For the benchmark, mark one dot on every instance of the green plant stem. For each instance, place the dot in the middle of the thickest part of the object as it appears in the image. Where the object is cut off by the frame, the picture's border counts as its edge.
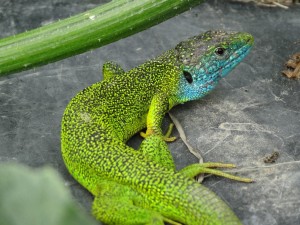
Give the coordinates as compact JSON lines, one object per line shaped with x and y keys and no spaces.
{"x":91,"y":29}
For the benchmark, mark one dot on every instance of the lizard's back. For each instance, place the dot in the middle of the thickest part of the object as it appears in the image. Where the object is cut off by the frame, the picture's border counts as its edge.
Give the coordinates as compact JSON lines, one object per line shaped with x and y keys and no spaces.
{"x":101,"y":118}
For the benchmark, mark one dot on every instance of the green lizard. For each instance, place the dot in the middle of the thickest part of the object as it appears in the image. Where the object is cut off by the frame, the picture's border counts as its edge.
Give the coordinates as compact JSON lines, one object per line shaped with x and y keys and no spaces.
{"x":141,"y":186}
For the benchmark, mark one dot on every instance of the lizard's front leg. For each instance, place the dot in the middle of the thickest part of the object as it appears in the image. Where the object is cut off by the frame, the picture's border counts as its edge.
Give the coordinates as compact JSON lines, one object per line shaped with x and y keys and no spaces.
{"x":111,"y":69}
{"x":158,"y":108}
{"x":154,"y":145}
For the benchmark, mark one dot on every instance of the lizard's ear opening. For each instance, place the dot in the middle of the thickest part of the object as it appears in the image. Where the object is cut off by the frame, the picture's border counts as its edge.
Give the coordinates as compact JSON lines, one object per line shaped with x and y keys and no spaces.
{"x":188,"y":76}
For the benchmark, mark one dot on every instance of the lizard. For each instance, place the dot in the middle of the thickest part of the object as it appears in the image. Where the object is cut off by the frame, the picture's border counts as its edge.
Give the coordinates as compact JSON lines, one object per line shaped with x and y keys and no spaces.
{"x":142,"y":186}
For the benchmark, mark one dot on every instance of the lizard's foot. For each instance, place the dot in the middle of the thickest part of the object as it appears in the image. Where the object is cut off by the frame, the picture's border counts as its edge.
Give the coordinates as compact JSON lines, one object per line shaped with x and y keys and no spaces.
{"x":165,"y":137}
{"x":196,"y":169}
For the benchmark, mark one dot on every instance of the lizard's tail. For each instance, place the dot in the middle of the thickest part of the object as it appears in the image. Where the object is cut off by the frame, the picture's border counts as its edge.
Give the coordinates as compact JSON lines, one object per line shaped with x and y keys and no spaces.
{"x":191,"y":203}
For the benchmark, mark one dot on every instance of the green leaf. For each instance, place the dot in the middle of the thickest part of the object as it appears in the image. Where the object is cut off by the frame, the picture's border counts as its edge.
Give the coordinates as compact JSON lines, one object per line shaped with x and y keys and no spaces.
{"x":36,"y":197}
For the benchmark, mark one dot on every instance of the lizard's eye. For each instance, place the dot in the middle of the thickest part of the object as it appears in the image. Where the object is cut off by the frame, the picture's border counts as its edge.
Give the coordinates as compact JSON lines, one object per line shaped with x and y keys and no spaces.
{"x":220,"y":51}
{"x":188,"y":76}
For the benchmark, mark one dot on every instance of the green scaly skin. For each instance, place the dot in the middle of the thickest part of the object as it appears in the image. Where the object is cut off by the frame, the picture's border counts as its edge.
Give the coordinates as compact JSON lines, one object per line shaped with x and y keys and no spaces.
{"x":141,"y":186}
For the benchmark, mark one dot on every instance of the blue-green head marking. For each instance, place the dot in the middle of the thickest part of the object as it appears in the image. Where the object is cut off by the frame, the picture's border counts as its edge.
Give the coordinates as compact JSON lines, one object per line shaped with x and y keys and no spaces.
{"x":203,"y":60}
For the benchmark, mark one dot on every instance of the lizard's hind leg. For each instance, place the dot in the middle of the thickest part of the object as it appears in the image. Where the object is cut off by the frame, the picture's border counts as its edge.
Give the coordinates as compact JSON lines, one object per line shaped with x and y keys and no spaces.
{"x":114,"y":204}
{"x":156,"y":149}
{"x":196,"y":169}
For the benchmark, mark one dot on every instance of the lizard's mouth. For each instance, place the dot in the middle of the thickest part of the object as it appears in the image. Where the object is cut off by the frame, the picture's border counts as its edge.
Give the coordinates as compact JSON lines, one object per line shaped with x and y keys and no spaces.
{"x":231,"y":63}
{"x":234,"y":60}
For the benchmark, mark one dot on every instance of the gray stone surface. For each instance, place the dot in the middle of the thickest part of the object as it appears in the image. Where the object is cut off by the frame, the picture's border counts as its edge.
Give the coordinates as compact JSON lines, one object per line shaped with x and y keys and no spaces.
{"x":254,"y":111}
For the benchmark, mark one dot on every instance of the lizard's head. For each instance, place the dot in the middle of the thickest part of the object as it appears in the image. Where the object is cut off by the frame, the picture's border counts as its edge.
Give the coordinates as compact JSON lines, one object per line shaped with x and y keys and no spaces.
{"x":206,"y":58}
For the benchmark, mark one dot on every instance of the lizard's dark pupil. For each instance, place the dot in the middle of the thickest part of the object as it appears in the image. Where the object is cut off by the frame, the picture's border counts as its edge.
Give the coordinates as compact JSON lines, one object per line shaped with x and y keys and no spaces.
{"x":188,"y":76}
{"x":220,"y":51}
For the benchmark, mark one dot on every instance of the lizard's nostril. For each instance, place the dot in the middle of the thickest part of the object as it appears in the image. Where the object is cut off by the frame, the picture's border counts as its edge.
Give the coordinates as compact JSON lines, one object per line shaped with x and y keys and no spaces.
{"x":249,"y":39}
